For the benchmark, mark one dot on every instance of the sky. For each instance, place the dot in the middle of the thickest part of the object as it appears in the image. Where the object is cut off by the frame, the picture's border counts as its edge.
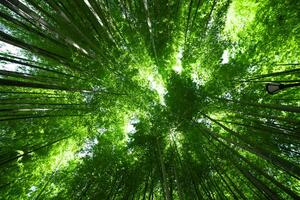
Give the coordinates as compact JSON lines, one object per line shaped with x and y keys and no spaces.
{"x":7,"y":48}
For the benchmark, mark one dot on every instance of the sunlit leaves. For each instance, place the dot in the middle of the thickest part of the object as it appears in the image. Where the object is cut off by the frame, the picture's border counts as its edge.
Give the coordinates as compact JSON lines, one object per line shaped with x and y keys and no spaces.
{"x":148,"y":99}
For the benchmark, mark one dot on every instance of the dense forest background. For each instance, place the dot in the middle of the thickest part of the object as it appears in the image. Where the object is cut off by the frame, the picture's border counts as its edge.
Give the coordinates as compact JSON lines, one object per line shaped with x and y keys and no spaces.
{"x":149,"y":99}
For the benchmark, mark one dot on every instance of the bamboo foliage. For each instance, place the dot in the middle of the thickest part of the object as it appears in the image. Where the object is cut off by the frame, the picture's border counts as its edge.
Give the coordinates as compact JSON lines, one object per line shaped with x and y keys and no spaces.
{"x":159,"y":99}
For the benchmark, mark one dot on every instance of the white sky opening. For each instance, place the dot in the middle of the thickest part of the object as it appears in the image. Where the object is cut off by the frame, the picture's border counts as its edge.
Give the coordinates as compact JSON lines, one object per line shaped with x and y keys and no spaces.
{"x":130,"y":128}
{"x":225,"y":56}
{"x":87,"y":150}
{"x":178,"y":66}
{"x":197,"y":79}
{"x":7,"y":48}
{"x":10,"y":67}
{"x":32,"y":189}
{"x":130,"y":125}
{"x":12,"y":50}
{"x":157,"y":85}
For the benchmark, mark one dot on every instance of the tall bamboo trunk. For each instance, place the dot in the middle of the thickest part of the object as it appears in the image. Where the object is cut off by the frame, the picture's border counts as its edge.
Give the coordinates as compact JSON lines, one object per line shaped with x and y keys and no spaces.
{"x":164,"y":173}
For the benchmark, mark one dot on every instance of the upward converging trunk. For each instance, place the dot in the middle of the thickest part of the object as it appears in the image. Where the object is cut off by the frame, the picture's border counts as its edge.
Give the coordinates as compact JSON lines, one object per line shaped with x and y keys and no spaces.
{"x":149,"y":99}
{"x":34,"y":150}
{"x":288,"y":166}
{"x":164,"y":173}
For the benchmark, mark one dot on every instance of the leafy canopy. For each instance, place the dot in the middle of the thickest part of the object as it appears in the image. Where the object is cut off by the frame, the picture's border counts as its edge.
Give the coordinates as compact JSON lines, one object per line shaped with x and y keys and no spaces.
{"x":149,"y":99}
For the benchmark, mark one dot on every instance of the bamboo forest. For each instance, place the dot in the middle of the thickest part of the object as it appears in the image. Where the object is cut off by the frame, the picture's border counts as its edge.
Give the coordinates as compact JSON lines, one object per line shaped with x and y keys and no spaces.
{"x":149,"y":99}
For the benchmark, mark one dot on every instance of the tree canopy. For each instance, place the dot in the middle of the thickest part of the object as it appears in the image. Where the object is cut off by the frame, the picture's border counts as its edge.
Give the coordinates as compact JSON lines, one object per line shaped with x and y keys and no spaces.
{"x":160,"y":99}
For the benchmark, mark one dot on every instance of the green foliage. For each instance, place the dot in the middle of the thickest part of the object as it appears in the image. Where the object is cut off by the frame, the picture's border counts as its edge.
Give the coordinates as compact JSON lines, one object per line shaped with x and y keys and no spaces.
{"x":149,"y":99}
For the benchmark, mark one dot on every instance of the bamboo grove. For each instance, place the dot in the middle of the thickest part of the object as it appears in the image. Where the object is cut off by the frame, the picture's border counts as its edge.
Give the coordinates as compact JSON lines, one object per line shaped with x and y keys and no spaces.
{"x":149,"y":99}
